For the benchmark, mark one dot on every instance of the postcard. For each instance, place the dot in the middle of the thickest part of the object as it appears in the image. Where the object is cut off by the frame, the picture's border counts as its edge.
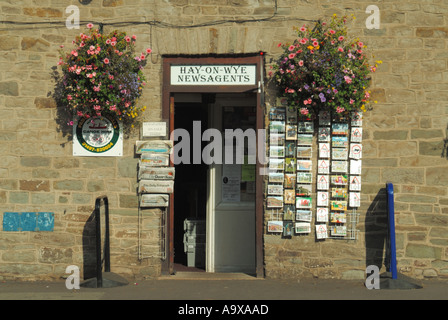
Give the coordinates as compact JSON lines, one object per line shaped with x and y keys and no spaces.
{"x":339,"y":142}
{"x":339,"y":193}
{"x":339,"y":180}
{"x":290,"y":180}
{"x":304,"y":152}
{"x":305,"y":127}
{"x":304,"y":139}
{"x":339,"y":166}
{"x":276,"y":164}
{"x":339,"y":153}
{"x":356,"y":117}
{"x":277,"y":151}
{"x":302,"y":227}
{"x":338,"y":205}
{"x":338,"y":217}
{"x":324,"y":134}
{"x":274,"y":202}
{"x":356,"y":134}
{"x":321,"y":231}
{"x":290,"y":149}
{"x":355,"y":183}
{"x":277,"y":114}
{"x":355,"y":199}
{"x":355,"y":150}
{"x":275,"y":189}
{"x":276,"y":177}
{"x":322,"y":198}
{"x":340,"y":128}
{"x":321,"y":214}
{"x":324,"y":118}
{"x":291,"y":115}
{"x":304,"y":215}
{"x":291,"y":132}
{"x":323,"y":182}
{"x":324,"y":150}
{"x":275,"y":226}
{"x":288,"y":212}
{"x":290,"y":165}
{"x":323,"y":166}
{"x":338,"y":230}
{"x":303,"y":202}
{"x":304,"y":165}
{"x":355,"y":166}
{"x":303,"y":190}
{"x":277,"y":126}
{"x":276,"y":139}
{"x":290,"y":196}
{"x":288,"y":227}
{"x":304,"y":177}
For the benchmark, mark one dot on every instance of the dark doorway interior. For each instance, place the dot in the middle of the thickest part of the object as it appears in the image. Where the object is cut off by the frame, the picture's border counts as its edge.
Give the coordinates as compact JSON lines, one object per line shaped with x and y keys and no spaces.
{"x":190,"y":185}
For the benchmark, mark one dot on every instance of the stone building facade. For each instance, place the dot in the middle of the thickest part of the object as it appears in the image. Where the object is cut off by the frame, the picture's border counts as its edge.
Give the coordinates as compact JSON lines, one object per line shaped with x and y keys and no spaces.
{"x":405,"y":135}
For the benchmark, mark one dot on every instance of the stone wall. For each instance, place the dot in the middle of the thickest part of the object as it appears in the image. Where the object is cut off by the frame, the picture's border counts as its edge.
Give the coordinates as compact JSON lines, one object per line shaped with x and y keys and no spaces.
{"x":405,"y":139}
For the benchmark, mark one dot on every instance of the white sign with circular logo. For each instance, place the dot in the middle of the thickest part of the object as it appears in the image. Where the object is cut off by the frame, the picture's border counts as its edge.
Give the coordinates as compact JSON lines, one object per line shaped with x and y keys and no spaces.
{"x":97,"y":136}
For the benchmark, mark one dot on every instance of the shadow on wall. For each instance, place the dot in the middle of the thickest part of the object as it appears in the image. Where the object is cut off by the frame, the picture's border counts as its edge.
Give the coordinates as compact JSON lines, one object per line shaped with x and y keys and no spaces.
{"x":63,"y":116}
{"x":376,"y":230}
{"x":445,"y":145}
{"x":89,"y":248}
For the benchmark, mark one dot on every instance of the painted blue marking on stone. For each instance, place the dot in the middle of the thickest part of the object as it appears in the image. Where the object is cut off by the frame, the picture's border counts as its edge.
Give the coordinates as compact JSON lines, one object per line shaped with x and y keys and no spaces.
{"x":45,"y":221}
{"x":11,"y":221}
{"x":28,"y":221}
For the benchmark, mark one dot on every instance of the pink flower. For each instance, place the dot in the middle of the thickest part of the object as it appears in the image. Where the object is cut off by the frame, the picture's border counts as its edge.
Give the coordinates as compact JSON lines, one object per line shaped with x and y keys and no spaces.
{"x":134,"y":37}
{"x":339,"y":109}
{"x":111,"y":77}
{"x":128,"y":39}
{"x":148,"y":51}
{"x":348,"y":79}
{"x":302,"y":41}
{"x":291,"y":55}
{"x":90,"y":25}
{"x":315,"y":43}
{"x":340,"y":49}
{"x":360,"y":44}
{"x":106,"y":61}
{"x":341,"y":38}
{"x":304,"y":111}
{"x":97,"y":107}
{"x":92,"y":48}
{"x":303,"y":29}
{"x":142,"y":57}
{"x":332,"y":31}
{"x":291,"y":90}
{"x":69,"y":97}
{"x":113,"y":43}
{"x":351,"y":101}
{"x":113,"y":108}
{"x":279,"y":45}
{"x":108,"y":41}
{"x":291,"y":48}
{"x":301,"y":63}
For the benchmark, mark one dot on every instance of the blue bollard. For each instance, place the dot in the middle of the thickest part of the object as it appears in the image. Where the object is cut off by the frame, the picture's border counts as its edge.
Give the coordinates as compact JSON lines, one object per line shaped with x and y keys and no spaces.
{"x":391,"y":216}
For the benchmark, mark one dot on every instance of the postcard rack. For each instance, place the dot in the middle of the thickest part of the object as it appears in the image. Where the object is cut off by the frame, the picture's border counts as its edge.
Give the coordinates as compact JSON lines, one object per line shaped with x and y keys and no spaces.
{"x":306,"y":186}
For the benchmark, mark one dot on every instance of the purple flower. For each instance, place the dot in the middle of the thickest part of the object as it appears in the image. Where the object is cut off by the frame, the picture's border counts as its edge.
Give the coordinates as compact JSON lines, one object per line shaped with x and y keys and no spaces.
{"x":322,"y":97}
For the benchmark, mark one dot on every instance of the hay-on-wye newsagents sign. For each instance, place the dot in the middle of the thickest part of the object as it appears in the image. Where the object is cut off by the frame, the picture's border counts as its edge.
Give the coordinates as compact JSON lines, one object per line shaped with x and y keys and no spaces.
{"x":97,"y":136}
{"x":213,"y":75}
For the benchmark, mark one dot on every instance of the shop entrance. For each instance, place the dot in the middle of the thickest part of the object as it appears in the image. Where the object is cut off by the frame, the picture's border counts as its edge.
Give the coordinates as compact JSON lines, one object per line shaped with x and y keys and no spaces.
{"x":214,"y":202}
{"x":215,"y":215}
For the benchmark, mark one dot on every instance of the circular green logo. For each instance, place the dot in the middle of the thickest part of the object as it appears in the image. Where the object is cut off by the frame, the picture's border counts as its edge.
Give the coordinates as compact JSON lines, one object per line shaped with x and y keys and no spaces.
{"x":98,"y":134}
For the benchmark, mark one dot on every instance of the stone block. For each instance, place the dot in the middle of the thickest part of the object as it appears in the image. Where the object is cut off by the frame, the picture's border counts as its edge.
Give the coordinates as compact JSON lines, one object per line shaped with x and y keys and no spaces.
{"x":436,"y":220}
{"x":437,"y":176}
{"x":55,"y":255}
{"x":34,"y":185}
{"x":35,"y":161}
{"x":390,"y":135}
{"x":396,"y":148}
{"x":42,"y":103}
{"x":9,"y":88}
{"x":42,"y":198}
{"x":43,"y":12}
{"x":69,"y":185}
{"x":423,"y":251}
{"x":403,"y":175}
{"x":431,"y":148}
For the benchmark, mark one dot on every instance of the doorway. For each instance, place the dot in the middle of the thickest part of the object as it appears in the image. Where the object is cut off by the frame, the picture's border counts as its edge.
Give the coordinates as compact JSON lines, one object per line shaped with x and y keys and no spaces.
{"x":200,"y":83}
{"x":217,"y":197}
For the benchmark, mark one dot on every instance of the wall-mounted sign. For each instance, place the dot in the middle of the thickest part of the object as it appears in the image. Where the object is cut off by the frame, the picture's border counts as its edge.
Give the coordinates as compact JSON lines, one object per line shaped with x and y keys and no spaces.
{"x":213,"y":75}
{"x":154,"y":146}
{"x":97,"y":136}
{"x":154,"y":129}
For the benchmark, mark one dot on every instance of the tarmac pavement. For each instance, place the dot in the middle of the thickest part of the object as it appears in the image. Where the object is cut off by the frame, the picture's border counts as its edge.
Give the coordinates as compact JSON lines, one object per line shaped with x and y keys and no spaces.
{"x":224,"y":288}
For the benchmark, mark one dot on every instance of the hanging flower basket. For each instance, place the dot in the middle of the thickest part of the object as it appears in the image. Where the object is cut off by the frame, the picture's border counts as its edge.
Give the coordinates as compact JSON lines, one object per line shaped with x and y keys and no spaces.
{"x":102,"y":76}
{"x":324,"y":70}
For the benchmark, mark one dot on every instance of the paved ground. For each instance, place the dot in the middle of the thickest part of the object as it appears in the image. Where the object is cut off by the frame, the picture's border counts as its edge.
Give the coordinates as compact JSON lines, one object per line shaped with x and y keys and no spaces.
{"x":179,"y":288}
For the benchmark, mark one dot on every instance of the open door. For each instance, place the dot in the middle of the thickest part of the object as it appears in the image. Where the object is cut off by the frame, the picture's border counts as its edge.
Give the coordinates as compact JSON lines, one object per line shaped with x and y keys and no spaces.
{"x":231,"y":188}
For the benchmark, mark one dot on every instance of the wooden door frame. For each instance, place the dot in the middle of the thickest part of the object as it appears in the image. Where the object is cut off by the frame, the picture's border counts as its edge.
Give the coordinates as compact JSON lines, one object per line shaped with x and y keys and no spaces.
{"x":168,"y":91}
